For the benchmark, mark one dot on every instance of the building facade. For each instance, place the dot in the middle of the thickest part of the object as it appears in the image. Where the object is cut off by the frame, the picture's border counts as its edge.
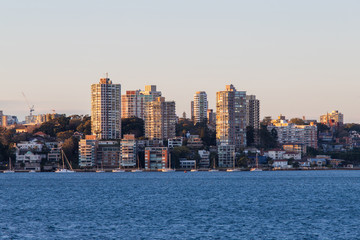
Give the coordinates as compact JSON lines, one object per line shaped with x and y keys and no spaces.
{"x":132,"y":104}
{"x":231,"y":117}
{"x":160,"y":119}
{"x":289,"y":133}
{"x":226,"y":155}
{"x":252,"y":111}
{"x":106,"y":109}
{"x":335,"y":118}
{"x":200,"y":107}
{"x":88,"y":151}
{"x":156,"y":158}
{"x":128,"y":151}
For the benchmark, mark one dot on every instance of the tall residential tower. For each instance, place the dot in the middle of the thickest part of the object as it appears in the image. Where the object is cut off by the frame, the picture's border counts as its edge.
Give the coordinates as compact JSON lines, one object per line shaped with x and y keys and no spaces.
{"x":231,"y":117}
{"x":200,"y":106}
{"x":106,"y":109}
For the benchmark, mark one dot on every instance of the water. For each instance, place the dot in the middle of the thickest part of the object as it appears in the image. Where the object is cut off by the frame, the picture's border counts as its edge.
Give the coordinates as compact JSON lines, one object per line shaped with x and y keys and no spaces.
{"x":200,"y":205}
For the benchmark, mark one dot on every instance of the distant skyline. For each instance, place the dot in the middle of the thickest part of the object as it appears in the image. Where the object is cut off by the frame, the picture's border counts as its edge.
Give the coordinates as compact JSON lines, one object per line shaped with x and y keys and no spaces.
{"x":300,"y":58}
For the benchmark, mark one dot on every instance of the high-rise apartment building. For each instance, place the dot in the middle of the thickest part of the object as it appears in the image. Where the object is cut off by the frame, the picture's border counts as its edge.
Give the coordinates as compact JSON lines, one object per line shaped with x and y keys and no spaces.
{"x":335,"y":118}
{"x":200,"y":106}
{"x":160,"y":119}
{"x":231,"y":117}
{"x":252,"y":111}
{"x":132,"y":104}
{"x":106,"y":109}
{"x":150,"y":94}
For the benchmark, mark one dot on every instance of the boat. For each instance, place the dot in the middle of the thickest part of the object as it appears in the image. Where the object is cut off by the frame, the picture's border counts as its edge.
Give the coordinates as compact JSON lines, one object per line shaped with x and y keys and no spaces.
{"x":214,"y":167}
{"x":233,"y":169}
{"x":194,"y":169}
{"x":117,"y":170}
{"x":138,"y":169}
{"x":63,"y":169}
{"x":10,"y":169}
{"x":101,"y":170}
{"x":256,"y":169}
{"x":169,"y":169}
{"x":32,"y":171}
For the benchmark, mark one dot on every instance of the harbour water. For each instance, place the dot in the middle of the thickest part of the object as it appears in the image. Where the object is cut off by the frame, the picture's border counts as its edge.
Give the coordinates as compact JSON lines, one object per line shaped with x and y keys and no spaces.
{"x":199,"y":205}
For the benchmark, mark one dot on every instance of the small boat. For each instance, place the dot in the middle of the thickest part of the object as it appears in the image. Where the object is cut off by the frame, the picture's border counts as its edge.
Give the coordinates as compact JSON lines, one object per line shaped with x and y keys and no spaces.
{"x":233,"y":170}
{"x":194,"y":169}
{"x":63,"y":169}
{"x":10,"y":169}
{"x":168,"y":169}
{"x":117,"y":170}
{"x":256,"y":169}
{"x":32,"y":171}
{"x":214,"y":167}
{"x":101,"y":170}
{"x":138,"y":169}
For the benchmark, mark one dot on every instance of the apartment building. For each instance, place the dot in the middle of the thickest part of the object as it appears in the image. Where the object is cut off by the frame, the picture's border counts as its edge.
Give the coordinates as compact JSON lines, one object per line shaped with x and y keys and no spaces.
{"x":106,"y":109}
{"x":200,"y":107}
{"x":160,"y":119}
{"x":231,"y":117}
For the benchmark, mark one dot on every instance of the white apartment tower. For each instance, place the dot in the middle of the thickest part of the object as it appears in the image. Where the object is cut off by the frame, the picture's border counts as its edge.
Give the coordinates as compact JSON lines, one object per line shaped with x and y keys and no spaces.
{"x":200,"y":106}
{"x":106,"y":109}
{"x":231,"y":117}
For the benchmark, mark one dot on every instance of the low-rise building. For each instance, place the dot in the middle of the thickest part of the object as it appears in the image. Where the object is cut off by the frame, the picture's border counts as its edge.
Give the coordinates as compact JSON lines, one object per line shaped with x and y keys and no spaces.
{"x":281,"y":164}
{"x":108,"y":154}
{"x":175,"y":142}
{"x":187,"y":164}
{"x":205,"y":159}
{"x":128,"y":151}
{"x":156,"y":158}
{"x":88,"y":151}
{"x":226,"y":154}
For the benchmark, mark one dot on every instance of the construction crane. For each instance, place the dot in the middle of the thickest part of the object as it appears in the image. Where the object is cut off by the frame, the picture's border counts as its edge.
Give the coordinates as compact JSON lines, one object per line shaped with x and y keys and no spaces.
{"x":31,"y":108}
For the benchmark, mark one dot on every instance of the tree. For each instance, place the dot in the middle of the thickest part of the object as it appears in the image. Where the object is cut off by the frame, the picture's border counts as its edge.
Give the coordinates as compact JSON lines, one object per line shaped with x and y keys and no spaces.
{"x":297,"y":121}
{"x":133,"y":125}
{"x":71,"y":150}
{"x":268,"y":139}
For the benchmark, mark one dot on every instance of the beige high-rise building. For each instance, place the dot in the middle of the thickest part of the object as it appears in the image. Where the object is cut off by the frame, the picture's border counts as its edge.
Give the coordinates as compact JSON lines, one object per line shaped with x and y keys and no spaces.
{"x":200,"y":106}
{"x":160,"y":119}
{"x":132,"y":104}
{"x":231,"y":117}
{"x":150,"y":94}
{"x":252,"y":111}
{"x":334,"y":118}
{"x":106,"y":109}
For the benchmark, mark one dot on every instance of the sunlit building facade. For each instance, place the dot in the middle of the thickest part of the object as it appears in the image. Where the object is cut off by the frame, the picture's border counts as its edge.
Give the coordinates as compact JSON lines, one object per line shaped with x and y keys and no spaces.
{"x":200,"y":106}
{"x":231,"y":117}
{"x":106,"y":109}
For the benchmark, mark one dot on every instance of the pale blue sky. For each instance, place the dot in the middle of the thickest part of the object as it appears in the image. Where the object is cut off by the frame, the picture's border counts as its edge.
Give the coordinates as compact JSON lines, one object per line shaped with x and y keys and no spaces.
{"x":298,"y":57}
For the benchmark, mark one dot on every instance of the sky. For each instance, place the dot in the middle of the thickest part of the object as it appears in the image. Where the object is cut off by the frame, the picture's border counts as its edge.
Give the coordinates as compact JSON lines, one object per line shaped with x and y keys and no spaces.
{"x":300,"y":58}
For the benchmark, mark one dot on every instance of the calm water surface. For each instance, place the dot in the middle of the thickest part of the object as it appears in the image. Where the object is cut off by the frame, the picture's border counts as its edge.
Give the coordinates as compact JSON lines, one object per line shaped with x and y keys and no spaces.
{"x":202,"y":205}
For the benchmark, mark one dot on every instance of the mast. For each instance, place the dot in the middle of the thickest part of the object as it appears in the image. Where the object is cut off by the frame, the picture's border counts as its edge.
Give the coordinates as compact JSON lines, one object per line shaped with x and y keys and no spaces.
{"x":257,"y":161}
{"x":169,"y":160}
{"x":9,"y":163}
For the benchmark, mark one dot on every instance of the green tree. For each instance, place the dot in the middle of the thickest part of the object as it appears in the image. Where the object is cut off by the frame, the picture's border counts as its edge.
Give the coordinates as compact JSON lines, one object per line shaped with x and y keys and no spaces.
{"x":250,"y":136}
{"x":297,"y":121}
{"x":133,"y":125}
